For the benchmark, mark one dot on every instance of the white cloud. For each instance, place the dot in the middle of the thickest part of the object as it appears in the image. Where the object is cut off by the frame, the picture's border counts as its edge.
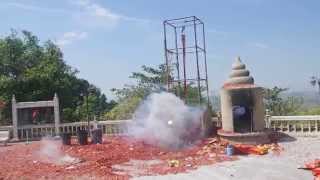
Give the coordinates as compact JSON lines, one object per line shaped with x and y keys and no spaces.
{"x":30,"y":7}
{"x":95,"y":14}
{"x":70,"y":37}
{"x":259,"y":45}
{"x":84,"y":12}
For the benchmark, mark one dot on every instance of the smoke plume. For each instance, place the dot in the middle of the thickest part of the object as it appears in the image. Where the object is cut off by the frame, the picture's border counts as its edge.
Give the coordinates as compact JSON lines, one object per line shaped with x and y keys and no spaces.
{"x":50,"y":152}
{"x":165,"y":120}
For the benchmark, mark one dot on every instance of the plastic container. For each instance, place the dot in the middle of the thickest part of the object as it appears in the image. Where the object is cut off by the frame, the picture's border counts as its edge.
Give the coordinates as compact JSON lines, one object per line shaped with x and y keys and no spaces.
{"x":229,"y":150}
{"x":66,"y":138}
{"x":82,"y":137}
{"x":96,"y":136}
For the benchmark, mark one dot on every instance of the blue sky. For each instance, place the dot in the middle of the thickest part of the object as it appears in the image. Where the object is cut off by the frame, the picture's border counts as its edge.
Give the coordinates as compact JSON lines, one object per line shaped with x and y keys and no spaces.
{"x":106,"y":40}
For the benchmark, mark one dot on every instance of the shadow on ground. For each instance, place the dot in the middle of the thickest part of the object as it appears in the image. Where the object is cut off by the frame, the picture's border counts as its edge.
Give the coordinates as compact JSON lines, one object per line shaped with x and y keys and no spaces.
{"x":281,"y":137}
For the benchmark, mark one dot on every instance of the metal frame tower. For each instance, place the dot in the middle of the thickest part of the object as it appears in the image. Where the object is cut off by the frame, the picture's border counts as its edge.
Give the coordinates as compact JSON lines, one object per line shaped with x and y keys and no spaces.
{"x":186,"y":61}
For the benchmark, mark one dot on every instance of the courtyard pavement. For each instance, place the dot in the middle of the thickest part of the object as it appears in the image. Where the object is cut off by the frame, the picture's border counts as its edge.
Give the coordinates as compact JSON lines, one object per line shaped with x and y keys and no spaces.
{"x":268,"y":167}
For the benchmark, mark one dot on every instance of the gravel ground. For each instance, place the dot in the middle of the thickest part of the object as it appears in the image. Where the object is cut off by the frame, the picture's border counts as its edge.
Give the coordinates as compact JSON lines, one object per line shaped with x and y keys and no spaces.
{"x":268,"y":167}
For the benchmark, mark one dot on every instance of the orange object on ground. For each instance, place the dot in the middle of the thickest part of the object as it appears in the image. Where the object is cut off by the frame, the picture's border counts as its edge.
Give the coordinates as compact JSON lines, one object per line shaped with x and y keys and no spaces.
{"x":251,"y":149}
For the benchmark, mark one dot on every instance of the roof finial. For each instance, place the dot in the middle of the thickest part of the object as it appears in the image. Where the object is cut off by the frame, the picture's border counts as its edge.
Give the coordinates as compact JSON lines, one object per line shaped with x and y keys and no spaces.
{"x":238,"y":59}
{"x":239,"y":74}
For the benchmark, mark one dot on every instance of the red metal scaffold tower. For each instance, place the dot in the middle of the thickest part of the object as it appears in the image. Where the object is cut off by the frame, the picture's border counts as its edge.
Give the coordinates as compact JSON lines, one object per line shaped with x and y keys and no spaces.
{"x":184,"y":44}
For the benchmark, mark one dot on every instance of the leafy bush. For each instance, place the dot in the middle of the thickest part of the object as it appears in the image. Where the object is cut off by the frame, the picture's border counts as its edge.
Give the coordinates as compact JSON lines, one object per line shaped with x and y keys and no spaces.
{"x":279,"y":105}
{"x":34,"y":71}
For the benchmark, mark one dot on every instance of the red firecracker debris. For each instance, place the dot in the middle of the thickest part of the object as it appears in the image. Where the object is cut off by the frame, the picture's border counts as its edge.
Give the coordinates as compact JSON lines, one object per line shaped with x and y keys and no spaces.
{"x":314,"y":166}
{"x":101,"y":160}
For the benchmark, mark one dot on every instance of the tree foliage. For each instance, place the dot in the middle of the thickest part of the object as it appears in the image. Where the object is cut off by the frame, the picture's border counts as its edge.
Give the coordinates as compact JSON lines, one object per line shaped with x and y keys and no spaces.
{"x":309,"y":111}
{"x":279,"y":105}
{"x":129,"y":97}
{"x":34,"y":71}
{"x":149,"y":80}
{"x":315,"y":82}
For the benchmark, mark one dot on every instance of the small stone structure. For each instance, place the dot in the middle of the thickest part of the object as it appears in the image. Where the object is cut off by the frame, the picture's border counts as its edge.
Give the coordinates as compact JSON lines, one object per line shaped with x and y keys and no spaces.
{"x":21,"y":105}
{"x":242,"y":108}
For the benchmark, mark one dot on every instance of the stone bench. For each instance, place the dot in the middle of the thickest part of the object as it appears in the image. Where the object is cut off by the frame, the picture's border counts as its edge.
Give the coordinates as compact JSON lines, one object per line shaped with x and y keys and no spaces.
{"x":4,"y":136}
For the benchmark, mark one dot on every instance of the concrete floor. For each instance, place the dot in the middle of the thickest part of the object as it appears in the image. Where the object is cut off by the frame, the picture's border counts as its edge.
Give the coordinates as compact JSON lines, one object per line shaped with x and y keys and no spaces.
{"x":268,"y":167}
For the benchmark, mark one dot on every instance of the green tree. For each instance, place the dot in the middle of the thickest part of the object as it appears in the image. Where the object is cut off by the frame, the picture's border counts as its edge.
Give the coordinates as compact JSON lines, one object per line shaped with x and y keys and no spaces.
{"x":315,"y":81}
{"x":310,"y":111}
{"x":147,"y":81}
{"x":35,"y":71}
{"x":279,"y":105}
{"x":129,"y":97}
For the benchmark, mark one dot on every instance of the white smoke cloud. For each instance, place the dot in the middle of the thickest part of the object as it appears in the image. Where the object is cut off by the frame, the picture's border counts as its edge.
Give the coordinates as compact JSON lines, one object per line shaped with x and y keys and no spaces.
{"x":164,"y":119}
{"x":50,"y":152}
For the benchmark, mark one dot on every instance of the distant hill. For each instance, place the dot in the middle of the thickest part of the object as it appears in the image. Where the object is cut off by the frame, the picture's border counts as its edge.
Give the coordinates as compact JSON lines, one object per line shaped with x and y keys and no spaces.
{"x":311,"y":98}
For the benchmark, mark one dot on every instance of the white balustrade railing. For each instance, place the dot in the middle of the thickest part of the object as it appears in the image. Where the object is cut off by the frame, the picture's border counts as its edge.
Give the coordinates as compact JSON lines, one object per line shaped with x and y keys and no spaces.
{"x":305,"y":125}
{"x":35,"y":131}
{"x":119,"y":127}
{"x":295,"y":124}
{"x":5,"y":128}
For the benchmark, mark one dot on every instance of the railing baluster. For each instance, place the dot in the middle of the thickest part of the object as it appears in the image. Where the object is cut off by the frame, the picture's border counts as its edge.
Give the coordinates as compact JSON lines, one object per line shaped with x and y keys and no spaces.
{"x":274,"y":125}
{"x":104,"y":129}
{"x":31,"y":132}
{"x":108,"y":128}
{"x":27,"y":134}
{"x":294,"y":124}
{"x":309,"y":123}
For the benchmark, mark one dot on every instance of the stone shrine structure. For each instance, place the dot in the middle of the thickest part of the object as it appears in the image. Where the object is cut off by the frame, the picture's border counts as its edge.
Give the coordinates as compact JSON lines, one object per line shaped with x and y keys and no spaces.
{"x":242,"y":108}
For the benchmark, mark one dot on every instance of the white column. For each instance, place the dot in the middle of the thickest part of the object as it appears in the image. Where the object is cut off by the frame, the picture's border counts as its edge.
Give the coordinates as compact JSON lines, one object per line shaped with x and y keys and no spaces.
{"x":226,"y":110}
{"x":14,"y":117}
{"x":267,"y":119}
{"x":95,"y":123}
{"x":259,"y":110}
{"x":56,"y":113}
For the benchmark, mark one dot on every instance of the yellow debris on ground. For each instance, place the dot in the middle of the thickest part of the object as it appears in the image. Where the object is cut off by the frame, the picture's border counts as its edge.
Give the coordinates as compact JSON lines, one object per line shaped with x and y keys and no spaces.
{"x":173,"y":163}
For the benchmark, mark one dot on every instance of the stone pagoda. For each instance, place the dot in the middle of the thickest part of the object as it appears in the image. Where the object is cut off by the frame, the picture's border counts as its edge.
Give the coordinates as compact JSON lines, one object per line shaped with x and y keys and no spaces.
{"x":242,"y":108}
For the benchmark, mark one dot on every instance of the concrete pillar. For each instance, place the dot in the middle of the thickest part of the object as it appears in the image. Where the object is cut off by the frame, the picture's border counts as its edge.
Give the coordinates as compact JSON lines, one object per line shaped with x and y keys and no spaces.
{"x":56,"y":114}
{"x":14,"y":117}
{"x":95,"y":123}
{"x":226,"y":110}
{"x":258,"y":111}
{"x":267,"y":118}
